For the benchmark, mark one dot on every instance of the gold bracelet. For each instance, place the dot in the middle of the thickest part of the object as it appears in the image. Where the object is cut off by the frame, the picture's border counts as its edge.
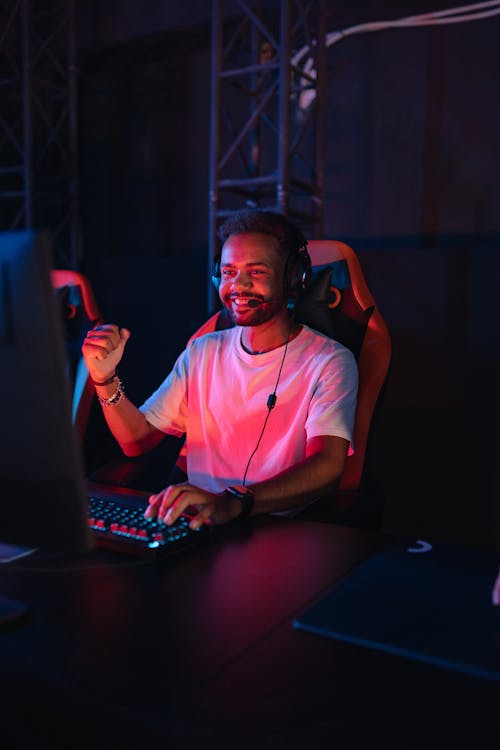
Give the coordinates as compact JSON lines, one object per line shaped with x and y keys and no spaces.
{"x":115,"y":397}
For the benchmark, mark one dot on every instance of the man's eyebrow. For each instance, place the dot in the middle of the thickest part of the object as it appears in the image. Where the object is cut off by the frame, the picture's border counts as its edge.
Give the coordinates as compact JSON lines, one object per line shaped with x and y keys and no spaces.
{"x":249,"y":265}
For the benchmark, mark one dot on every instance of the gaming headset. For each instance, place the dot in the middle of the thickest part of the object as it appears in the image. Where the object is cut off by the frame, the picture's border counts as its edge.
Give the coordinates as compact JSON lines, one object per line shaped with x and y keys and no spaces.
{"x":298,"y":263}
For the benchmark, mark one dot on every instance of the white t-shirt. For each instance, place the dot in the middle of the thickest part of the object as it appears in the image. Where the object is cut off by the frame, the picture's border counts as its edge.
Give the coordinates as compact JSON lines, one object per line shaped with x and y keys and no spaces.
{"x":217,"y":395}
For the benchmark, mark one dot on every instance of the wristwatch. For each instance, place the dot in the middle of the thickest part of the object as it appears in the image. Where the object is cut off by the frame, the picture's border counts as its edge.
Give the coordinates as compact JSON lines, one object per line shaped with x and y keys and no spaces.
{"x":244,"y":495}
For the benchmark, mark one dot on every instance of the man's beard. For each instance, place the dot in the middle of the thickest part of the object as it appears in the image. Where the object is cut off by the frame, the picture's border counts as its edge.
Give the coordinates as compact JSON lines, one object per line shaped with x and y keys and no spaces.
{"x":264,"y":312}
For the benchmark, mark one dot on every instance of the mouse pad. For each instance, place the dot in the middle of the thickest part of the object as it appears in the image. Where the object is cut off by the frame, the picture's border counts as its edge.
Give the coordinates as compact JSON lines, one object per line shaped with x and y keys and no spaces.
{"x":427,"y":603}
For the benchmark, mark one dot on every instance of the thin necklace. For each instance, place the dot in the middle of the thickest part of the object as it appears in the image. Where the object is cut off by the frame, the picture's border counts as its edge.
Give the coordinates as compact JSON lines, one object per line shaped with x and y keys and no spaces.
{"x":285,"y":343}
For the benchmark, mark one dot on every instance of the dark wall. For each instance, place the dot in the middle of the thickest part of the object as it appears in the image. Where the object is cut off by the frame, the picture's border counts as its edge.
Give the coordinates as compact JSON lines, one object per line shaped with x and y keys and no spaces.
{"x":412,"y":182}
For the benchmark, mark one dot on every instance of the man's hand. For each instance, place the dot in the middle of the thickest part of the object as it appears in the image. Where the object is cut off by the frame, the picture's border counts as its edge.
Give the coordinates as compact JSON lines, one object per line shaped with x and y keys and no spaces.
{"x":171,"y":502}
{"x":103,"y":349}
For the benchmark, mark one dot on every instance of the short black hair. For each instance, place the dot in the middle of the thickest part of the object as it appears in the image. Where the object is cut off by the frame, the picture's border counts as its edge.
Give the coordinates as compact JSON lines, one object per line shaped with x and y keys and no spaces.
{"x":290,"y":238}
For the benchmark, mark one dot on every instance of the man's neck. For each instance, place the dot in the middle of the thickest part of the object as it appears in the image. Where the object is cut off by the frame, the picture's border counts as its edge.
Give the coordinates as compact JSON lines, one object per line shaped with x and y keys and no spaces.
{"x":269,"y":335}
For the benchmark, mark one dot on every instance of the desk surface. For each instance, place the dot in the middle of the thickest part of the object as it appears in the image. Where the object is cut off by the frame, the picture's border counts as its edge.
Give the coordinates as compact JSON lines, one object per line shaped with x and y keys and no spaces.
{"x":202,"y":647}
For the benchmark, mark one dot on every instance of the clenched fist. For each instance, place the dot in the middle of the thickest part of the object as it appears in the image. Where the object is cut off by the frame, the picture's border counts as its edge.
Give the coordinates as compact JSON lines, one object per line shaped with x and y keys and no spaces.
{"x":103,"y":349}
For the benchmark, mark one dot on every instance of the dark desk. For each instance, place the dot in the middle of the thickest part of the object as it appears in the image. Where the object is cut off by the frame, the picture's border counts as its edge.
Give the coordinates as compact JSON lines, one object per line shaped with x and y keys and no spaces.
{"x":199,"y":651}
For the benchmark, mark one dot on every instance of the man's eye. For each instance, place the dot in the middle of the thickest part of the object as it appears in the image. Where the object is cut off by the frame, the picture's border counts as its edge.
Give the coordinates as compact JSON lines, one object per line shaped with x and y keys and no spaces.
{"x":227,"y":272}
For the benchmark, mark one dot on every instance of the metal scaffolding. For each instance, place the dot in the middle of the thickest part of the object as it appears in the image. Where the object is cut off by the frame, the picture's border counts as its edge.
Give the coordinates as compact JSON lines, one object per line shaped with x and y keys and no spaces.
{"x":39,"y":185}
{"x":267,"y":117}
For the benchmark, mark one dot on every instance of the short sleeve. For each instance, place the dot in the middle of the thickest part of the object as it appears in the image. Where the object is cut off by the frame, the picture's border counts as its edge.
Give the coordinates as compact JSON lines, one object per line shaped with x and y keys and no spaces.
{"x":333,"y":403}
{"x":166,"y":408}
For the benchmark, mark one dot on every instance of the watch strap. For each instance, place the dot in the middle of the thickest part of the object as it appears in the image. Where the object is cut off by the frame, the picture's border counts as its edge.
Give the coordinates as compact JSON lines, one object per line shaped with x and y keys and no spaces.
{"x":245,"y":496}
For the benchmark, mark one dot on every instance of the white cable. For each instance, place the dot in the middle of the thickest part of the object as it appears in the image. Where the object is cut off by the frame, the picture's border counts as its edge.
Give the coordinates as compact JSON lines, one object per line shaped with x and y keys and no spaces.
{"x":461,"y":9}
{"x":423,"y":19}
{"x":465,"y":13}
{"x":455,"y":19}
{"x":336,"y":36}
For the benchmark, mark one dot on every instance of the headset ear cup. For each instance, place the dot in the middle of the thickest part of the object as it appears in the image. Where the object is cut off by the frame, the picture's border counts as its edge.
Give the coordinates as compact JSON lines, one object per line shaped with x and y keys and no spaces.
{"x":216,"y":273}
{"x":298,"y":272}
{"x":306,"y":272}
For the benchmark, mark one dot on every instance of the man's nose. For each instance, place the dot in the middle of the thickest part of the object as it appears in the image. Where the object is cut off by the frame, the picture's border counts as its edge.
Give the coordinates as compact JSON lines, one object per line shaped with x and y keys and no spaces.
{"x":242,"y":279}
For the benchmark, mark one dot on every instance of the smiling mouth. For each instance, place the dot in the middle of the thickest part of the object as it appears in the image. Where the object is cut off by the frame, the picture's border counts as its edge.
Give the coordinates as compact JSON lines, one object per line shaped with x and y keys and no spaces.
{"x":244,"y":301}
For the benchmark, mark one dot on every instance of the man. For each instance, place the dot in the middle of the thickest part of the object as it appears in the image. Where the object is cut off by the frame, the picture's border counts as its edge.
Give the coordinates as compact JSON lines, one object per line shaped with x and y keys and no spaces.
{"x":267,"y":406}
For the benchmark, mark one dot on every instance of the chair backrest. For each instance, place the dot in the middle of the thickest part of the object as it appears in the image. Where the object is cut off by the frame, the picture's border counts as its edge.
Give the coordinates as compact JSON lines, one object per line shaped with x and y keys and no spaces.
{"x":358,"y":324}
{"x":79,"y":312}
{"x":339,"y":303}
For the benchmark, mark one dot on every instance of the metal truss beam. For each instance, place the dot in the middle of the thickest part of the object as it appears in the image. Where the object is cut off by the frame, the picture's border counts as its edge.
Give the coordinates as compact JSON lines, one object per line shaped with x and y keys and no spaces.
{"x":267,"y":117}
{"x":38,"y":122}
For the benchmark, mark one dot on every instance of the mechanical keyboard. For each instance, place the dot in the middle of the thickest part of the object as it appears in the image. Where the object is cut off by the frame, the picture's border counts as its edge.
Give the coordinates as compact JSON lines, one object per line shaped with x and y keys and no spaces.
{"x":116,"y":522}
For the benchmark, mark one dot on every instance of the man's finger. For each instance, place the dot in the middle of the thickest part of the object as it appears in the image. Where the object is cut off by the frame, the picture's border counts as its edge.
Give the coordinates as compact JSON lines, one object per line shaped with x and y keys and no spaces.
{"x":174,"y":502}
{"x":204,"y":516}
{"x":153,"y":505}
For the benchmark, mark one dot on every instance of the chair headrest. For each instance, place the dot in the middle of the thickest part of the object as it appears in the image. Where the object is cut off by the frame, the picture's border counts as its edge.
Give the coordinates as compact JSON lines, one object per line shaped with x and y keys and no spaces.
{"x":330,"y":306}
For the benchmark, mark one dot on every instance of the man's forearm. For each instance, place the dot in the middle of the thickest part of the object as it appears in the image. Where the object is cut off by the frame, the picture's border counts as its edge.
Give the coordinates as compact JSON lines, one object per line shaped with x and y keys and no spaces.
{"x":315,"y":475}
{"x":129,"y":426}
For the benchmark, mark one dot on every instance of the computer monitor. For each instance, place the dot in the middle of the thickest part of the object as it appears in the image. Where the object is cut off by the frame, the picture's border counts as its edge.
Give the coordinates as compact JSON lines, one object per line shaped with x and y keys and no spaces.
{"x":42,"y":499}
